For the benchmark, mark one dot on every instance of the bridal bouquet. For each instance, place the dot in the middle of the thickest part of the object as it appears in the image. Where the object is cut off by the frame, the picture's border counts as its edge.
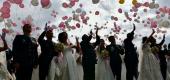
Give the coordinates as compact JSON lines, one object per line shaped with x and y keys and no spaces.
{"x":104,"y":54}
{"x":59,"y":47}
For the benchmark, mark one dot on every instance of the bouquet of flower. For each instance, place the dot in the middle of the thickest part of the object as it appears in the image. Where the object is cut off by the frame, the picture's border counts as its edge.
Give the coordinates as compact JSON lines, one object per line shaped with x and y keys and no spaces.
{"x":59,"y":47}
{"x":104,"y":54}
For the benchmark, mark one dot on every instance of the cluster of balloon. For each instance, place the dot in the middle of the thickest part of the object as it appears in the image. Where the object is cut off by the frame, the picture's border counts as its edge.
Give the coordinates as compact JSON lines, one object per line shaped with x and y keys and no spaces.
{"x":34,"y":2}
{"x":18,"y":2}
{"x":5,"y":11}
{"x":46,"y":4}
{"x":70,"y":4}
{"x":95,"y":1}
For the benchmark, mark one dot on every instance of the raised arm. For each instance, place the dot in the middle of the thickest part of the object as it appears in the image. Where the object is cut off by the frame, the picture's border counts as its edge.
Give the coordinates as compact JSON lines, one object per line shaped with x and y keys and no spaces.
{"x":134,"y":28}
{"x":4,"y":42}
{"x":163,"y":40}
{"x":90,"y":36}
{"x":78,"y":49}
{"x":97,"y":39}
{"x":153,"y":31}
{"x":41,"y":37}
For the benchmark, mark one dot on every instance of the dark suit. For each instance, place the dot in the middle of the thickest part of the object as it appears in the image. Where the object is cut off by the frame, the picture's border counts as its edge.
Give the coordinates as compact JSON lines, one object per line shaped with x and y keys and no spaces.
{"x":163,"y":63}
{"x":89,"y":58}
{"x":47,"y":53}
{"x":131,"y":60}
{"x":115,"y":59}
{"x":26,"y":55}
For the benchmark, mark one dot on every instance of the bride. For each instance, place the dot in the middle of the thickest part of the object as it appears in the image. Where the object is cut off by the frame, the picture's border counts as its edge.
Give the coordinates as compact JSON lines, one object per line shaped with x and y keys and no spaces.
{"x":150,"y":69}
{"x":103,"y":70}
{"x":64,"y":67}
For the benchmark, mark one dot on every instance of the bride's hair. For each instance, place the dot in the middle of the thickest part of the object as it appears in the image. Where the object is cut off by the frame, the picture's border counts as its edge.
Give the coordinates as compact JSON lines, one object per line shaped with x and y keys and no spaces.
{"x":144,"y":39}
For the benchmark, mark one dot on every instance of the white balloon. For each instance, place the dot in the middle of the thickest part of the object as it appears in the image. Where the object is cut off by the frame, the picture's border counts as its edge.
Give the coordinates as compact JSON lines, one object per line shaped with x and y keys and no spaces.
{"x":156,"y":6}
{"x":166,"y":24}
{"x":35,"y":2}
{"x":95,"y":1}
{"x":152,"y":5}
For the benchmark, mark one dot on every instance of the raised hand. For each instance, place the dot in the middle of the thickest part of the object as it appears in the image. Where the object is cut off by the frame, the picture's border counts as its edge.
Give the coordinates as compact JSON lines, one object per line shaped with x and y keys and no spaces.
{"x":97,"y":31}
{"x":91,"y":32}
{"x":153,"y":31}
{"x":134,"y":27}
{"x":164,"y":36}
{"x":46,"y":27}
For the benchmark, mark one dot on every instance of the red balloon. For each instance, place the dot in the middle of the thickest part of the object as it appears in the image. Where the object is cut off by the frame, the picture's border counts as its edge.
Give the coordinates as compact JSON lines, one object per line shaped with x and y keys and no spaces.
{"x":97,"y":13}
{"x":45,"y":3}
{"x":120,"y":10}
{"x":65,"y":5}
{"x":72,"y":3}
{"x":21,"y":5}
{"x":5,"y":10}
{"x":78,"y":25}
{"x":6,"y":4}
{"x":65,"y":17}
{"x":18,"y":1}
{"x":5,"y":15}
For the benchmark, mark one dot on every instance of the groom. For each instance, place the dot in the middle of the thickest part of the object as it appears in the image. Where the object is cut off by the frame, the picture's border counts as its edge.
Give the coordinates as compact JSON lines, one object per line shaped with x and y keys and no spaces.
{"x":89,"y":55}
{"x":115,"y":59}
{"x":131,"y":57}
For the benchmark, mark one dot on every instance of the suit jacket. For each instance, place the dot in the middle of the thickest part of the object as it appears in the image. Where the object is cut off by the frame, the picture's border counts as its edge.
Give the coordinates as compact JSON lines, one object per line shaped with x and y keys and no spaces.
{"x":25,"y":50}
{"x":114,"y":52}
{"x":88,"y":50}
{"x":47,"y":50}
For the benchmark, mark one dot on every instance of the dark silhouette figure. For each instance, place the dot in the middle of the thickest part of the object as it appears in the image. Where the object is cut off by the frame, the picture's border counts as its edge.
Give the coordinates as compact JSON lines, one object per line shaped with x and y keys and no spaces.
{"x":47,"y":52}
{"x":160,"y":54}
{"x":5,"y":47}
{"x":131,"y":57}
{"x":89,"y":55}
{"x":25,"y":54}
{"x":115,"y":59}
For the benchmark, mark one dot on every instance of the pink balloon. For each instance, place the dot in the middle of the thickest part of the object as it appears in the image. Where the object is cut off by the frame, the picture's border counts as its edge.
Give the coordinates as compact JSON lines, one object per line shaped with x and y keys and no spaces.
{"x":65,"y":5}
{"x":5,"y":10}
{"x":65,"y":17}
{"x":21,"y":5}
{"x":120,"y":10}
{"x":146,"y":4}
{"x":153,"y":24}
{"x":62,"y":25}
{"x":81,"y":5}
{"x":14,"y":24}
{"x":18,"y":1}
{"x":5,"y":15}
{"x":137,"y":5}
{"x":72,"y":3}
{"x":45,"y":3}
{"x":6,"y":4}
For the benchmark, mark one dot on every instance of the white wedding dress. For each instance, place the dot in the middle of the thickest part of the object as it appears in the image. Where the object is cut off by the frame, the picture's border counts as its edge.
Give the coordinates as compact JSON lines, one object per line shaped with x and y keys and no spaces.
{"x":150,"y":68}
{"x":65,"y":68}
{"x":103,"y":69}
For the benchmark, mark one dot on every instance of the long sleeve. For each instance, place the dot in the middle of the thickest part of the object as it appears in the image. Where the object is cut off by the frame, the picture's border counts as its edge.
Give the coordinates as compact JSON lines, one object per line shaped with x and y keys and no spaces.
{"x":162,"y":42}
{"x":97,"y":41}
{"x":16,"y":49}
{"x":41,"y":38}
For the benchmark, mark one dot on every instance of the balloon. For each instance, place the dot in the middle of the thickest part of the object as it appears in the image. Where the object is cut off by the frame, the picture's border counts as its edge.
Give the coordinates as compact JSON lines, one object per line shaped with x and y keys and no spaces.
{"x":134,"y":2}
{"x":18,"y":1}
{"x":1,"y":19}
{"x":21,"y":5}
{"x":146,"y":4}
{"x":156,"y":6}
{"x":6,"y":4}
{"x":45,"y":3}
{"x":120,"y":10}
{"x":121,"y":1}
{"x":65,"y":5}
{"x":5,"y":10}
{"x":7,"y":15}
{"x":78,"y":10}
{"x":153,"y":24}
{"x":166,"y":23}
{"x":135,"y":14}
{"x":97,"y":13}
{"x":95,"y":1}
{"x":72,"y":3}
{"x":62,"y":25}
{"x":81,"y":5}
{"x":65,"y":17}
{"x":47,"y":7}
{"x":35,"y":2}
{"x":152,"y":5}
